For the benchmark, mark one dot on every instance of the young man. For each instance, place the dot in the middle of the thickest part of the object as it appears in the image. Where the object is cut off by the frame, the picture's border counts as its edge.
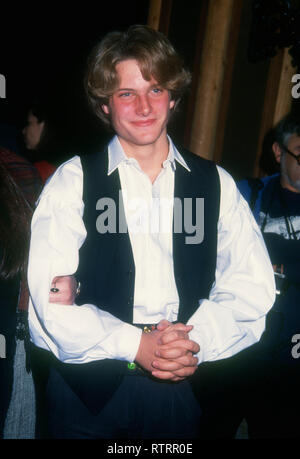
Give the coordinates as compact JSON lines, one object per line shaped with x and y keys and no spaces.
{"x":159,"y":294}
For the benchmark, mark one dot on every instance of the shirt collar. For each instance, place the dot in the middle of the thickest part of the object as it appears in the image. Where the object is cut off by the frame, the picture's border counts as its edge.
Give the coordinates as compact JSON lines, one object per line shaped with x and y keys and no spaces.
{"x":116,"y":155}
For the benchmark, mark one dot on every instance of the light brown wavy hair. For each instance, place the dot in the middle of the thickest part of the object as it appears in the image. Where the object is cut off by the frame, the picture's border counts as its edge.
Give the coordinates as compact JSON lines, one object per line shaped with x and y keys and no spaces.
{"x":156,"y":58}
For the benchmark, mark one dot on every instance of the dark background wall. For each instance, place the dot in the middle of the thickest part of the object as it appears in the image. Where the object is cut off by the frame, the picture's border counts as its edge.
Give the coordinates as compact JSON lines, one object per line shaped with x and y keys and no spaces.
{"x":43,"y":53}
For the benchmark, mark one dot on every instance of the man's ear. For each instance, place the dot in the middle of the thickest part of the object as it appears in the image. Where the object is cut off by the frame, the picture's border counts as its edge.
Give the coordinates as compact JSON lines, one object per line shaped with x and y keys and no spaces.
{"x":277,"y":151}
{"x":105,"y":108}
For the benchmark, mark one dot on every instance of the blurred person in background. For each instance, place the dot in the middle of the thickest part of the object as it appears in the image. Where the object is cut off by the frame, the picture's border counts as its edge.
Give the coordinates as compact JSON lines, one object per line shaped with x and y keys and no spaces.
{"x":260,"y":384}
{"x":275,"y":201}
{"x":37,"y":139}
{"x":17,"y":399}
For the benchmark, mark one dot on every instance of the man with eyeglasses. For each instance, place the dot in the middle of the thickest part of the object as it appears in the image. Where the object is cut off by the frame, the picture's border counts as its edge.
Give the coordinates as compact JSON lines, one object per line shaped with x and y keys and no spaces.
{"x":264,"y":378}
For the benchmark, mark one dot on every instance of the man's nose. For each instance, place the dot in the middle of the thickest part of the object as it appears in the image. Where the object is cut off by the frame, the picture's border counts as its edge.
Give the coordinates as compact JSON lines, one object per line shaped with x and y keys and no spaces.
{"x":143,"y":106}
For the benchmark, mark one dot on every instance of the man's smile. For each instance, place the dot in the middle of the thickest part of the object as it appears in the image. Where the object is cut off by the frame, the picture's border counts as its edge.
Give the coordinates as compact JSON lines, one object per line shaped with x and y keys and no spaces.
{"x":144,"y":123}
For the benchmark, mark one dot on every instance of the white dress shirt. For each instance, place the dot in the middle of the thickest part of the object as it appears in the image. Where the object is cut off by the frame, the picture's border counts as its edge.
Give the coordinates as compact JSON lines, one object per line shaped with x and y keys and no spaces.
{"x":231,"y":319}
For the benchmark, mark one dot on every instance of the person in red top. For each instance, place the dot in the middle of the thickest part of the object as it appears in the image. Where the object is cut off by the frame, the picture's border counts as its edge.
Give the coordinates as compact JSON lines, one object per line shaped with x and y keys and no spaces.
{"x":20,"y":185}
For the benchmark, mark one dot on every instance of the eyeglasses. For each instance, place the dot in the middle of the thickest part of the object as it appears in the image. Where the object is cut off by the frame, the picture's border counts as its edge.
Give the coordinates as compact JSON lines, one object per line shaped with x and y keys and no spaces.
{"x":297,"y":157}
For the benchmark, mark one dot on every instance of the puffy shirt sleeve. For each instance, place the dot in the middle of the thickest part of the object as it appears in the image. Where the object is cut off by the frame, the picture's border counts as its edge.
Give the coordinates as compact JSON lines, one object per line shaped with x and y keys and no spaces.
{"x":74,"y":334}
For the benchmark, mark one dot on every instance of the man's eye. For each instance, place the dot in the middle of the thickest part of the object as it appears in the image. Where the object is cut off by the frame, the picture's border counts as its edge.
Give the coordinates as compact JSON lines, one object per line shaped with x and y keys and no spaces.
{"x":125,"y":94}
{"x":157,"y":90}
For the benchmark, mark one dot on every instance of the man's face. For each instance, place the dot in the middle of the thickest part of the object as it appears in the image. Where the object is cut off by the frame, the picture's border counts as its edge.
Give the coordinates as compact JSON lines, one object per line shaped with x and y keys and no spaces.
{"x":139,"y":109}
{"x":290,"y":169}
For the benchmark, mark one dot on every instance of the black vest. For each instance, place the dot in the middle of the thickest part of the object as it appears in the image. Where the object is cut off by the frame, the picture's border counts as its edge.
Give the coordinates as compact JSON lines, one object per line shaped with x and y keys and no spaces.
{"x":106,"y":267}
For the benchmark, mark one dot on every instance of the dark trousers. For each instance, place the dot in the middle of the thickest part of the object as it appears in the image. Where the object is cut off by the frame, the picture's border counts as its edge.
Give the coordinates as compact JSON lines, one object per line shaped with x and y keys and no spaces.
{"x":141,"y":408}
{"x":39,"y":364}
{"x":247,"y":386}
{"x":275,"y":407}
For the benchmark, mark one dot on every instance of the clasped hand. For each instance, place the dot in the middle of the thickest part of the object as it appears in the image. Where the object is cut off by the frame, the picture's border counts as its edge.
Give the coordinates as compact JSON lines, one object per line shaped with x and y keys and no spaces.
{"x":167,"y":352}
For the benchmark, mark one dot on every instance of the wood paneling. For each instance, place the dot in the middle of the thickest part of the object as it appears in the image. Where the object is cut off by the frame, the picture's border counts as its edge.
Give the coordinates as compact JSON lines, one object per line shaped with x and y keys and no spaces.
{"x":278,"y":99}
{"x":154,"y":14}
{"x":211,"y":78}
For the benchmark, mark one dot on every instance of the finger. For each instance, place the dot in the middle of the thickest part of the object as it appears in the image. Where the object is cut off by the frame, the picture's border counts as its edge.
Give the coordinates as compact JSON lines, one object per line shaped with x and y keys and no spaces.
{"x":166,"y":375}
{"x":188,"y":361}
{"x":53,"y":287}
{"x":177,"y":364}
{"x":179,"y":326}
{"x":176,"y":375}
{"x":169,"y":333}
{"x":52,"y":298}
{"x":64,"y":293}
{"x":60,"y":297}
{"x":166,"y":365}
{"x":163,"y":324}
{"x":171,"y":353}
{"x":56,"y":298}
{"x":54,"y":280}
{"x":185,"y":372}
{"x":185,"y":344}
{"x":176,"y":352}
{"x":174,"y":335}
